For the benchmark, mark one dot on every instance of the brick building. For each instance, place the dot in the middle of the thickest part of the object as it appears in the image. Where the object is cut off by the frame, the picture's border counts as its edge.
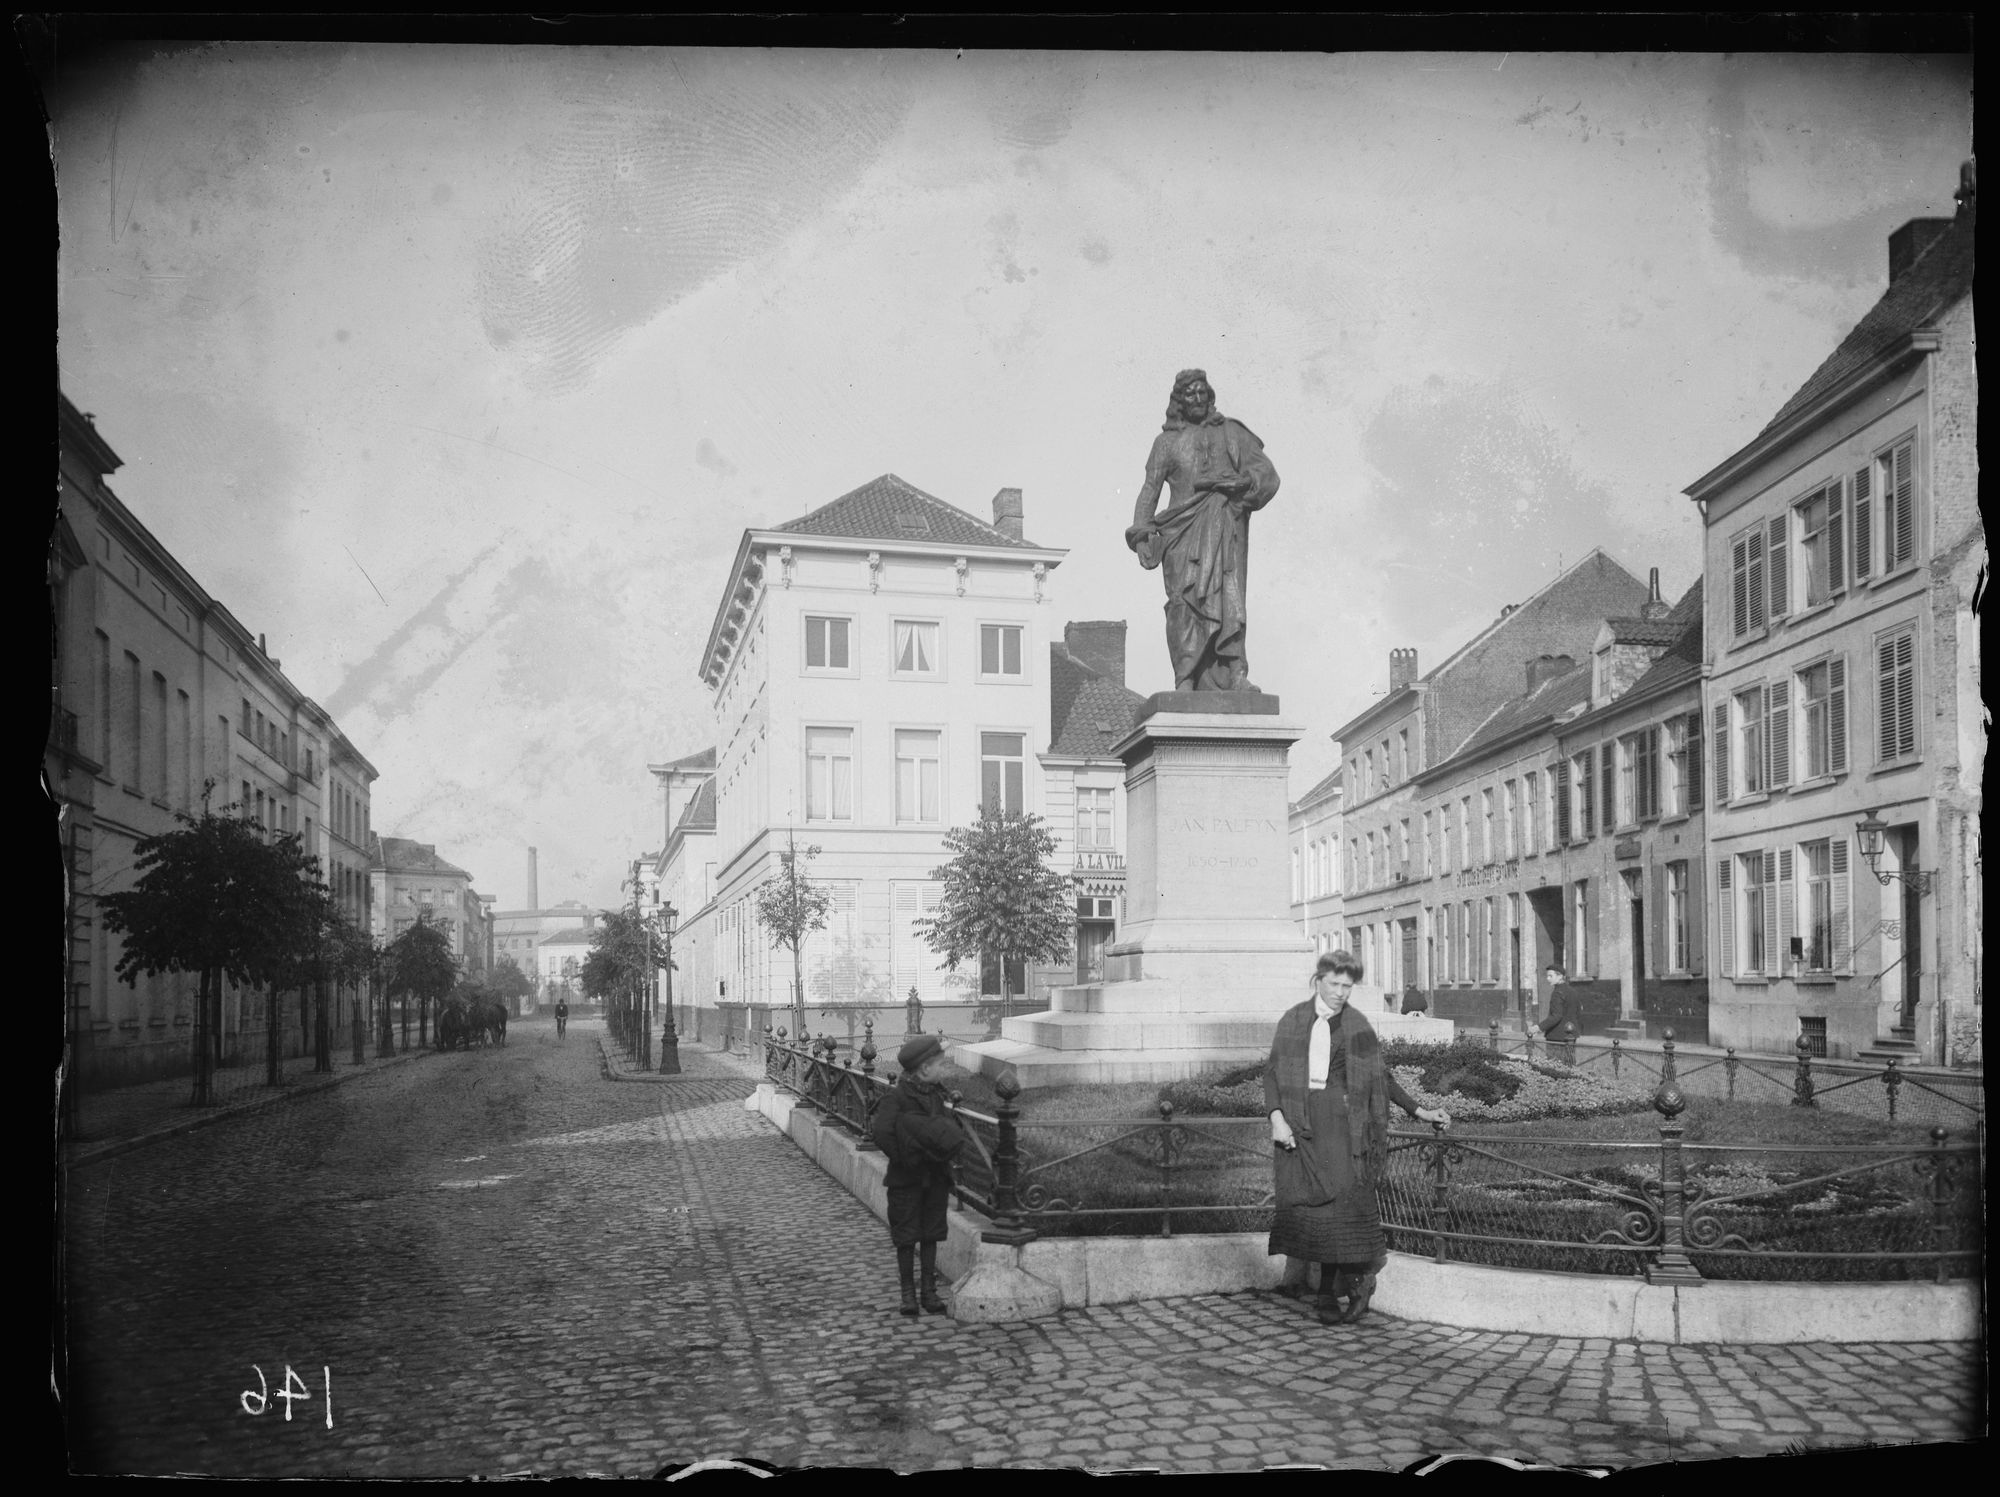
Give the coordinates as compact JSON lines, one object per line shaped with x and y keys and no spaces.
{"x":1844,"y":553}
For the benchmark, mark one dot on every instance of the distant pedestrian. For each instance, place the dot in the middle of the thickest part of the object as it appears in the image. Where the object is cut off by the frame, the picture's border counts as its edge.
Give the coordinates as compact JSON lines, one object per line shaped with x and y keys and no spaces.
{"x":1328,"y":1093}
{"x":1558,"y":1009}
{"x":914,"y":1130}
{"x":562,"y":1016}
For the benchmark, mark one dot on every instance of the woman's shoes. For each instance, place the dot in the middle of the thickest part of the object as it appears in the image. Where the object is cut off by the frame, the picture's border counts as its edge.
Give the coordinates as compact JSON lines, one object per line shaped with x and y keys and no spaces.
{"x":1363,"y":1292}
{"x":931,"y":1303}
{"x":909,"y":1299}
{"x":1329,"y":1299}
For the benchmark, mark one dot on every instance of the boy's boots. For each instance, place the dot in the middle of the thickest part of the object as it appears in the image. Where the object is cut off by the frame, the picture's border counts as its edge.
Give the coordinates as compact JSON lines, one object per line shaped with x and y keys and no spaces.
{"x":931,"y":1303}
{"x":906,"y":1270}
{"x":1334,"y":1282}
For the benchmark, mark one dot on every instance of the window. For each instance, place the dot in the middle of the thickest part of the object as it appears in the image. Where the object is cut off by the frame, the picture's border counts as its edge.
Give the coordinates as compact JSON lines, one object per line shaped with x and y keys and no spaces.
{"x":1372,"y":876}
{"x":999,"y":649}
{"x":1388,"y":770}
{"x":243,"y":723}
{"x":1600,"y":674}
{"x":916,"y":647}
{"x":826,"y":644}
{"x":1298,"y":883}
{"x":1627,"y":757}
{"x":136,"y":727}
{"x":1531,"y":802}
{"x":1403,"y":752}
{"x":1430,"y":850}
{"x":1468,"y":944}
{"x":1002,"y":771}
{"x":917,"y":775}
{"x":1896,"y":482}
{"x":1582,"y":807}
{"x":1465,"y":832}
{"x":1895,"y":695}
{"x":1751,"y":867}
{"x":1403,"y":845}
{"x":1674,"y":783}
{"x":162,"y":726}
{"x":829,"y":774}
{"x":1491,"y":969}
{"x":1822,"y":562}
{"x":1368,"y":773}
{"x":1749,"y":745}
{"x":1093,"y":817}
{"x":1580,"y":942}
{"x":1677,"y":917}
{"x":104,"y":708}
{"x":1510,"y":811}
{"x":1646,"y":775}
{"x":1823,"y":717}
{"x":1746,"y":581}
{"x":1486,"y":826}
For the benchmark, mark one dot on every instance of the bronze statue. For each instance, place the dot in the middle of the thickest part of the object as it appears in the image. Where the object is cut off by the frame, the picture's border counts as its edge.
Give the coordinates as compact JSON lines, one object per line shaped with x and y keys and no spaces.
{"x":1218,"y":475}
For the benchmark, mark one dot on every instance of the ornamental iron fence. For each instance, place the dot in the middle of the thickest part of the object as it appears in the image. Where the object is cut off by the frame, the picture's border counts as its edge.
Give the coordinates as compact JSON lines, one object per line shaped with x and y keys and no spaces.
{"x":1671,"y":1211}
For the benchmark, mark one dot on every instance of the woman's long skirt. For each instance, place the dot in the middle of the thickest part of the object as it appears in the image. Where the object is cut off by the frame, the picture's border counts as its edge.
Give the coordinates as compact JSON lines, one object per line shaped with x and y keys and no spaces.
{"x":1325,"y":1214}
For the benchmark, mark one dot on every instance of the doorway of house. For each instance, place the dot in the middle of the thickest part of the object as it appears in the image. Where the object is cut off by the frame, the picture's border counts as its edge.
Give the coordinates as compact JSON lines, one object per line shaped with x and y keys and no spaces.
{"x":1094,"y":929}
{"x":1547,"y":907}
{"x":1638,"y":949}
{"x":1514,"y":972}
{"x":1412,"y":994}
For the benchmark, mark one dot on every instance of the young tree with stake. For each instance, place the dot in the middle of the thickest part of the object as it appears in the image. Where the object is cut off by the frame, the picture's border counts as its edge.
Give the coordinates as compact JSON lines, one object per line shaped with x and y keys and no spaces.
{"x":1001,"y":898}
{"x":792,"y":907}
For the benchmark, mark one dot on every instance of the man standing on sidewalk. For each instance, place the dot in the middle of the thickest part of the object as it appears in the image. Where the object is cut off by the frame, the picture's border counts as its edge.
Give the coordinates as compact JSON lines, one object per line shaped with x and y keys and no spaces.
{"x":562,"y":1016}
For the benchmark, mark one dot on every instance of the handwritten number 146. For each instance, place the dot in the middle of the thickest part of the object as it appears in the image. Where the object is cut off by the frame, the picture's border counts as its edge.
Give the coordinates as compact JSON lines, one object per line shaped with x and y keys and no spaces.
{"x":294,"y":1389}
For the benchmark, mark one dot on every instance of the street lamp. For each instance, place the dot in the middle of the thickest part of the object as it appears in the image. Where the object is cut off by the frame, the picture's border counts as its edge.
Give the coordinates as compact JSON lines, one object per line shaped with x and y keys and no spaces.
{"x":1869,"y":832}
{"x":670,"y":1045}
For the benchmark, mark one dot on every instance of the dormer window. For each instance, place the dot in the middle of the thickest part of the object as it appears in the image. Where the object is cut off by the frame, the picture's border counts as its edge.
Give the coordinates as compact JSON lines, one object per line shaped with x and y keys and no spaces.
{"x":1600,"y":675}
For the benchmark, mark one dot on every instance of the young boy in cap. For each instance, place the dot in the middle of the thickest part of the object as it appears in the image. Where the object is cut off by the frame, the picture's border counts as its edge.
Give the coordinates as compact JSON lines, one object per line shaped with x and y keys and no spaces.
{"x":912,"y":1128}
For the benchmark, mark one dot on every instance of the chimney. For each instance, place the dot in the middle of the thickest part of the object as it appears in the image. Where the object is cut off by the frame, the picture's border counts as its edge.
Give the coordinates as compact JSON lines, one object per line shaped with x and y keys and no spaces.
{"x":534,"y":900}
{"x":1656,"y":606}
{"x":1546,"y":668}
{"x":262,"y":648}
{"x":1907,"y":244}
{"x":1402,"y":668}
{"x":1007,"y":513}
{"x":1099,"y":644}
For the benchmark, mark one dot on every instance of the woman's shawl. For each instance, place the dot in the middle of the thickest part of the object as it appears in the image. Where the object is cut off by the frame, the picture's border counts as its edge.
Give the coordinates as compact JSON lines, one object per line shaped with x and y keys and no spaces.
{"x":1286,"y":1078}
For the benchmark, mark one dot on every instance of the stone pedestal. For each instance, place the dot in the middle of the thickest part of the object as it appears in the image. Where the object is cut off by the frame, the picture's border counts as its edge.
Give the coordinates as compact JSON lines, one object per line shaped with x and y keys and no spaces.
{"x":1209,"y":956}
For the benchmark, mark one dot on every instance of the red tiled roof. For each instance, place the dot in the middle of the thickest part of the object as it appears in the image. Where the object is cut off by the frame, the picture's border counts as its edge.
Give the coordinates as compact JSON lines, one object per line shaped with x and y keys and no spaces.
{"x":890,"y":509}
{"x":1941,"y":275}
{"x":1089,"y":711}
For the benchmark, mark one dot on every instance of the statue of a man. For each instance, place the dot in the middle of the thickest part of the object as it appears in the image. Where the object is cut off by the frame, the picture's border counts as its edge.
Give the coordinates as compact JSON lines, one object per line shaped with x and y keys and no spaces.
{"x":1218,"y":475}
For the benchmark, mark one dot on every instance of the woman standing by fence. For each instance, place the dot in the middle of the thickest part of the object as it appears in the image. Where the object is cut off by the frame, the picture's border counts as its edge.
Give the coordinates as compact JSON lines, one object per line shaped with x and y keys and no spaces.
{"x":1328,"y":1093}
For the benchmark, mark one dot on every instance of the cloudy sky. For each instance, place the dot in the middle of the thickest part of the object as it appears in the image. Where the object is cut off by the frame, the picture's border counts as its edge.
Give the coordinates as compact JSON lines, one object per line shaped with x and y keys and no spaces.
{"x":458,"y":372}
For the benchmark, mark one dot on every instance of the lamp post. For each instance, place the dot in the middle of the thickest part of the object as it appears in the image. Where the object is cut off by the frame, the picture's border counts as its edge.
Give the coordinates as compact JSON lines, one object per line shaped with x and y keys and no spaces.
{"x":1869,"y":832}
{"x":670,"y":1045}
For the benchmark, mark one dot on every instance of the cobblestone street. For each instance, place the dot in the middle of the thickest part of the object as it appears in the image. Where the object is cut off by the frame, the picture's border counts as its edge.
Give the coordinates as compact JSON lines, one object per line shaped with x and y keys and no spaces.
{"x":510,"y":1264}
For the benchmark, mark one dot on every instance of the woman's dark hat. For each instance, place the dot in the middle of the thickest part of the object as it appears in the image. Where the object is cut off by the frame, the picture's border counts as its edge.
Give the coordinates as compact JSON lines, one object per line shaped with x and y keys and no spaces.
{"x":917,"y":1049}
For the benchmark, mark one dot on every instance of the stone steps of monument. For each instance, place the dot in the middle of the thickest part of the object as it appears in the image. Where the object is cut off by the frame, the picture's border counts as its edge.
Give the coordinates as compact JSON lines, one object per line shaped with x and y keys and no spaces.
{"x":1137,"y":1031}
{"x":1154,"y":996}
{"x":1038,"y":1066}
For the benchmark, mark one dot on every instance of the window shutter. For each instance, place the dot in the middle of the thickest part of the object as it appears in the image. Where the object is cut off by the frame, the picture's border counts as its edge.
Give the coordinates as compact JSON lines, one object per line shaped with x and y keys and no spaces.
{"x":1843,"y":952}
{"x":1725,"y":909}
{"x":1590,"y":942}
{"x":1780,"y":575}
{"x":1662,"y":956}
{"x":1692,"y":802}
{"x":1787,"y":908}
{"x":1739,"y":579}
{"x":1561,"y":793}
{"x":1755,"y":544}
{"x":1905,"y":510}
{"x":1586,"y":802}
{"x":1773,"y":963}
{"x":1864,"y":514}
{"x":1836,"y":538}
{"x":1721,"y":764}
{"x":1697,"y":919}
{"x":1906,"y":688}
{"x":1607,"y":798}
{"x":1836,"y":714}
{"x":1778,"y":734}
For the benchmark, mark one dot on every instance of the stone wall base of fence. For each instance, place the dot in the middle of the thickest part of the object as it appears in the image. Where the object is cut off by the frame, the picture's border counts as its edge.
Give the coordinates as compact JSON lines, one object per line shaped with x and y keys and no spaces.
{"x":995,"y":1282}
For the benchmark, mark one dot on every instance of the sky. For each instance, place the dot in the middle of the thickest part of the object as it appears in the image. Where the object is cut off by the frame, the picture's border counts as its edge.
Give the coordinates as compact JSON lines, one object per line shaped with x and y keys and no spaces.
{"x":458,"y":372}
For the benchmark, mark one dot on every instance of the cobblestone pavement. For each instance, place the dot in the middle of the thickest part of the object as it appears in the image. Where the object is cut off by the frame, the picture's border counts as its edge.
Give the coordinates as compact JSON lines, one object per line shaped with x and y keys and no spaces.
{"x":511,"y":1264}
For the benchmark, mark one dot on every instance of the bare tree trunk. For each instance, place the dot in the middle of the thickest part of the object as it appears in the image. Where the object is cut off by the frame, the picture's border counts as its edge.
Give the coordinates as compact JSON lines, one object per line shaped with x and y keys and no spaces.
{"x":423,"y":1020}
{"x":798,"y":992}
{"x":273,"y":1068}
{"x":204,"y":1074}
{"x":322,"y":1028}
{"x":356,"y":1009}
{"x":406,"y":1018}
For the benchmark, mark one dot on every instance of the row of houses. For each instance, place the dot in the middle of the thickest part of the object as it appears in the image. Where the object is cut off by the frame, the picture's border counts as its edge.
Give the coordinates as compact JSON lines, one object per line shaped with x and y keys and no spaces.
{"x":163,"y":702}
{"x":1751,"y":815}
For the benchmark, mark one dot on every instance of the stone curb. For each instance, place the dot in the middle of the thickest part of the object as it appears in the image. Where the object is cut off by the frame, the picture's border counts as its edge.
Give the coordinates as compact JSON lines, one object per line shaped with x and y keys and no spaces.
{"x":82,"y":1155}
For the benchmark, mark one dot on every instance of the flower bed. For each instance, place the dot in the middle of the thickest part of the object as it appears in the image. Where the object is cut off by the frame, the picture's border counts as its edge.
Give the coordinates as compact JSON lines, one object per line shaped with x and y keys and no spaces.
{"x":1466,"y":1078}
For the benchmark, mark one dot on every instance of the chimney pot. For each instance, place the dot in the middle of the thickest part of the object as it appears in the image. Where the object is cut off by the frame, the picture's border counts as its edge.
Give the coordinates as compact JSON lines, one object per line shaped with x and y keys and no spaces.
{"x":1907,"y":244}
{"x":1402,"y":668}
{"x":1099,"y":644}
{"x":1007,"y":513}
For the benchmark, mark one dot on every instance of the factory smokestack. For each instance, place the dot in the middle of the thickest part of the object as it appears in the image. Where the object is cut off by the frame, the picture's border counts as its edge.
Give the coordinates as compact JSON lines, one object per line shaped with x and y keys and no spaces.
{"x":534,"y":899}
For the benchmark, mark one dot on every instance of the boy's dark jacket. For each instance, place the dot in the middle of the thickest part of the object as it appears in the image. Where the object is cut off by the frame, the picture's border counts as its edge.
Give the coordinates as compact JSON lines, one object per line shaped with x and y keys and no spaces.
{"x":913,"y":1130}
